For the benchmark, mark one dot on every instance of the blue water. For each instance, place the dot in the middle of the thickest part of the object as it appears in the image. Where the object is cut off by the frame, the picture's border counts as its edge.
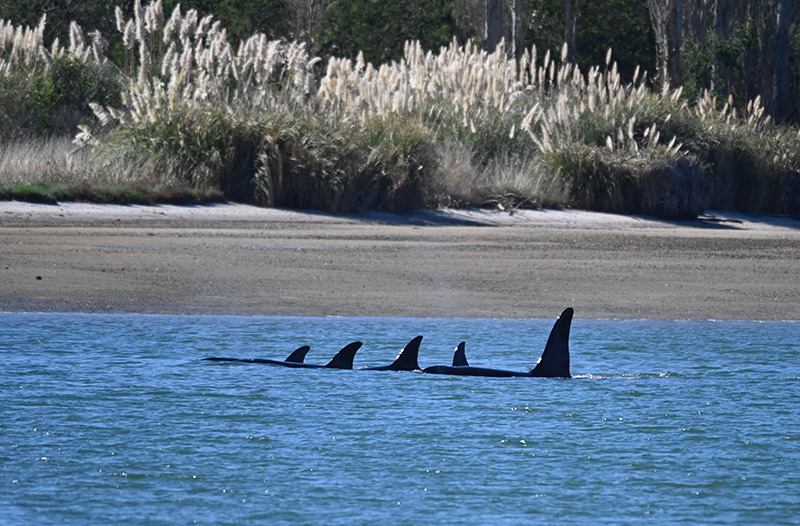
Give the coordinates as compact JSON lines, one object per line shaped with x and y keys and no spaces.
{"x":114,"y":418}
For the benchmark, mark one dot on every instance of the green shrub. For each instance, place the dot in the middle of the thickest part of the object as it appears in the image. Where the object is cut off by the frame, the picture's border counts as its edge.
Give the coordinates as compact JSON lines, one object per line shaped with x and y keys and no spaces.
{"x":19,"y":115}
{"x":379,"y":29}
{"x":592,"y":178}
{"x":33,"y":194}
{"x":341,"y":166}
{"x":666,"y":186}
{"x":398,"y":163}
{"x":54,"y":101}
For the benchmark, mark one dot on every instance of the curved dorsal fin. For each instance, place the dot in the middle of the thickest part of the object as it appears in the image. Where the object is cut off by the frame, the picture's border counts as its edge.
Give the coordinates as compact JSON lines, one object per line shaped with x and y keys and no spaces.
{"x":407,"y":359}
{"x":344,"y":358}
{"x":554,"y":362}
{"x":299,"y":354}
{"x":460,"y":356}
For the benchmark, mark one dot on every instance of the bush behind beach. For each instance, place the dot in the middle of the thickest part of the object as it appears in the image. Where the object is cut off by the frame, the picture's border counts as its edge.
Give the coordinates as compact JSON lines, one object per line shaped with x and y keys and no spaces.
{"x":261,"y":122}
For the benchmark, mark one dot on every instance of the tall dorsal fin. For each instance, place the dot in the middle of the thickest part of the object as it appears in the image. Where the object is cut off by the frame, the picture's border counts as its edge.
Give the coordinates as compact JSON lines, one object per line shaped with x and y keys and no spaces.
{"x":299,"y":354}
{"x":407,"y":359}
{"x":460,"y":356}
{"x":554,"y":362}
{"x":344,"y":358}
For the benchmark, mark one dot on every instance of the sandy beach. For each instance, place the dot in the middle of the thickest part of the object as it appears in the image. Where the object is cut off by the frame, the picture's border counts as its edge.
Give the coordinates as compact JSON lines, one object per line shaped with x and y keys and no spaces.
{"x":238,"y":259}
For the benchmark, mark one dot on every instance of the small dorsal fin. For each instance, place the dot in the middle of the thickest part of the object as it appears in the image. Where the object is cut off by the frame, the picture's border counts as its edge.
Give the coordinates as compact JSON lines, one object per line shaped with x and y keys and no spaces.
{"x":407,"y":359}
{"x":460,"y":356}
{"x":344,"y":358}
{"x":299,"y":354}
{"x":554,"y":362}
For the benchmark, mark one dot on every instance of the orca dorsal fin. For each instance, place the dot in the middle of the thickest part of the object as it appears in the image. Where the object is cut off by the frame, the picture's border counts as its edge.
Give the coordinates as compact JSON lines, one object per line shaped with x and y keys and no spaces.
{"x":344,"y":358}
{"x":460,"y":356}
{"x":407,"y":359}
{"x":298,"y":355}
{"x":554,"y":362}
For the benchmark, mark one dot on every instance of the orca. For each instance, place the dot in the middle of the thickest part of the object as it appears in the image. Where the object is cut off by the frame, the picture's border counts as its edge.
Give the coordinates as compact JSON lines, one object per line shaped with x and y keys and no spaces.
{"x":342,"y":360}
{"x":554,"y":362}
{"x":405,"y":361}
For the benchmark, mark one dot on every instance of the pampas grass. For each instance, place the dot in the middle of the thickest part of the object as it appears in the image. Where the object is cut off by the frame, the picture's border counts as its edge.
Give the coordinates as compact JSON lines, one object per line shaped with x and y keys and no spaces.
{"x":263,"y":121}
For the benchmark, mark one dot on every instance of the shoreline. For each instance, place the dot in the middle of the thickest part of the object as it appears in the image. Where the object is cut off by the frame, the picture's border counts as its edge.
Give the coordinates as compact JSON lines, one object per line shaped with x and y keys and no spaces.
{"x":244,"y":260}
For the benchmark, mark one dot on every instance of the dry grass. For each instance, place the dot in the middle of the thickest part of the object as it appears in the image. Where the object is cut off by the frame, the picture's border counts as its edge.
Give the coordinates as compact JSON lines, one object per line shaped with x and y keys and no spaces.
{"x":43,"y":161}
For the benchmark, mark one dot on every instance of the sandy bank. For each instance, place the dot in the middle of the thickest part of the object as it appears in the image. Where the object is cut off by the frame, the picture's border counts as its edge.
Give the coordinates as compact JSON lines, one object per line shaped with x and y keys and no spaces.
{"x":237,"y":259}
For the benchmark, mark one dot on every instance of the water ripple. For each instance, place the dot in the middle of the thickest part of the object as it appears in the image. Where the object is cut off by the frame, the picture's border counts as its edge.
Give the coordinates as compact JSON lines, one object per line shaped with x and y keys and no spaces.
{"x":111,"y":418}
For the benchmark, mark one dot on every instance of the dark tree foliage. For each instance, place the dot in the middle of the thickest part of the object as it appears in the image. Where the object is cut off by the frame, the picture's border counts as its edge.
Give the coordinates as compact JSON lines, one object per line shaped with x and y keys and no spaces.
{"x":622,"y":25}
{"x":379,"y":28}
{"x":241,"y":18}
{"x":56,"y":101}
{"x":545,"y":26}
{"x":702,"y":62}
{"x":743,"y":49}
{"x":90,"y":14}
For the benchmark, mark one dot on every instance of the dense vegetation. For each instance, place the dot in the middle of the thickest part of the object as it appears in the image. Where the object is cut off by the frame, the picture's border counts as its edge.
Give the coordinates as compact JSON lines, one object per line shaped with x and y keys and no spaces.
{"x":181,"y":107}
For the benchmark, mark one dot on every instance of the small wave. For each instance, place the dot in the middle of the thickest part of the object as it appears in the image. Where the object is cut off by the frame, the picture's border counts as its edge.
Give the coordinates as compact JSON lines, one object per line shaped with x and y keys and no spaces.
{"x":629,"y":376}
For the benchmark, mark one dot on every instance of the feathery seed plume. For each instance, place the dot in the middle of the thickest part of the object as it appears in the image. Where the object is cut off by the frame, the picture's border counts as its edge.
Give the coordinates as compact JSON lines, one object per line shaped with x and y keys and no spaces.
{"x":138,"y":17}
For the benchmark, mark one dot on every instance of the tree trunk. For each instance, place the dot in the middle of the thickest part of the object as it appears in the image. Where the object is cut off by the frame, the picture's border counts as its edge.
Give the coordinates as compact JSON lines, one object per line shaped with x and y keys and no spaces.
{"x":571,"y":10}
{"x":780,"y":65}
{"x":494,"y":24}
{"x":659,"y":19}
{"x":666,"y":16}
{"x":303,"y":21}
{"x":722,"y":27}
{"x":517,"y":33}
{"x":751,"y":59}
{"x":675,"y":77}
